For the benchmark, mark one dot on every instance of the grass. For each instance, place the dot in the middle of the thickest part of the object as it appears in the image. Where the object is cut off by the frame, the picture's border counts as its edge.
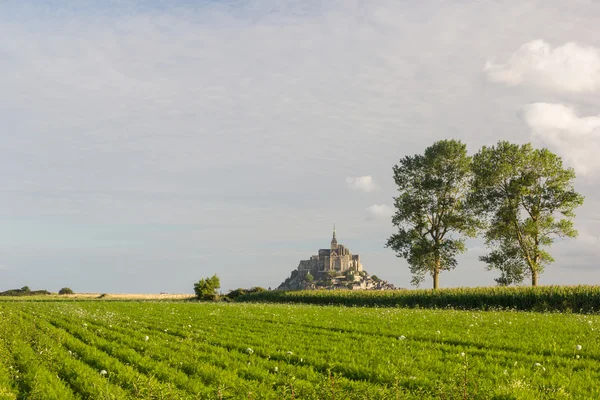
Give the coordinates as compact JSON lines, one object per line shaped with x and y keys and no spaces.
{"x":182,"y":350}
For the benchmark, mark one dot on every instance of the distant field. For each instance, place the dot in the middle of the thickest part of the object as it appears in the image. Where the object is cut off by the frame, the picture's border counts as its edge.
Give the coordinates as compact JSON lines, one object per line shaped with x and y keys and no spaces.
{"x":103,"y":296}
{"x":167,"y":350}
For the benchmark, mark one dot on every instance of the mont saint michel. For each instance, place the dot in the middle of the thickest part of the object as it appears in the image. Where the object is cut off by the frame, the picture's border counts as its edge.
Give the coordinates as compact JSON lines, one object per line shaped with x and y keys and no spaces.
{"x":333,"y":268}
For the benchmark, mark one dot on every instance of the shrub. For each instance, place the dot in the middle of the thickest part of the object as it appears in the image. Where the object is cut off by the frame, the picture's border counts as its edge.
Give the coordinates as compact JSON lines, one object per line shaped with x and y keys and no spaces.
{"x":206,"y":289}
{"x":65,"y":290}
{"x":234,"y":294}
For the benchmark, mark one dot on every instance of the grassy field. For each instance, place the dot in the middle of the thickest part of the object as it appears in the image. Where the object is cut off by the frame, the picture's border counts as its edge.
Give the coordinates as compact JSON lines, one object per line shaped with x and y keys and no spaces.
{"x":170,"y":350}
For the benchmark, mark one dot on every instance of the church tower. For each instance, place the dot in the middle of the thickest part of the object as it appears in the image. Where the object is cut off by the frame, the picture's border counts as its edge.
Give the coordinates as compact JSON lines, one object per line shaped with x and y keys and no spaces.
{"x":334,"y":243}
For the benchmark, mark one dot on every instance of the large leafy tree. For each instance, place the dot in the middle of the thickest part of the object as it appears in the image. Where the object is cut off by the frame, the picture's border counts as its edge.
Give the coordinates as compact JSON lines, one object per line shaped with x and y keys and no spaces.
{"x":529,"y":198}
{"x":432,"y":214}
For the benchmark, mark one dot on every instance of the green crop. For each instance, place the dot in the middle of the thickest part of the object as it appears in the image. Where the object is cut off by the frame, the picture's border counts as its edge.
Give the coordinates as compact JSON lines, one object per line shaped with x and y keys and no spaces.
{"x":580,"y":299}
{"x":153,"y":350}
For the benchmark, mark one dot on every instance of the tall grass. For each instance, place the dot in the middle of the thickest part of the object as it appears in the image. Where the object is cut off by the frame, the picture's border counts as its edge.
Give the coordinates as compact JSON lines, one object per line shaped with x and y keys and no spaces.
{"x":580,"y":299}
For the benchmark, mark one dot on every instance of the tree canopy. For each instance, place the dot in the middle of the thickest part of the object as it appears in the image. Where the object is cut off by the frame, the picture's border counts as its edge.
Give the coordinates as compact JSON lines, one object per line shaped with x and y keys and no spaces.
{"x":529,"y":199}
{"x":432,"y":213}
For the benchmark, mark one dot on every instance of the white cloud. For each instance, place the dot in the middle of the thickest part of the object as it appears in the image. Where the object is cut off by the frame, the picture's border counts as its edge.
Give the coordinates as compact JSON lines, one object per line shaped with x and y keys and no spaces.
{"x":380,"y":211}
{"x":363,"y":183}
{"x":569,"y":68}
{"x":576,"y":139}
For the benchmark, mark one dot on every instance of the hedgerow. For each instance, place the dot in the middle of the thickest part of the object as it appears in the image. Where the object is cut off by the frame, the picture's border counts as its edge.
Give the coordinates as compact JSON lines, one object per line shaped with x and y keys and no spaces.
{"x":580,"y":299}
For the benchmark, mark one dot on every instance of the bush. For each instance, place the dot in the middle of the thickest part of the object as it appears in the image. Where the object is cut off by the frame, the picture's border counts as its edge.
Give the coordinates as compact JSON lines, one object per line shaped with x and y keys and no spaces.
{"x":65,"y":290}
{"x":234,"y":294}
{"x":206,"y":289}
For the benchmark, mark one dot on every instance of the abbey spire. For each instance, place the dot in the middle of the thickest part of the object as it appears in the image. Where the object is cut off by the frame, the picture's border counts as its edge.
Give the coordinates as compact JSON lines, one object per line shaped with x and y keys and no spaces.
{"x":334,"y":243}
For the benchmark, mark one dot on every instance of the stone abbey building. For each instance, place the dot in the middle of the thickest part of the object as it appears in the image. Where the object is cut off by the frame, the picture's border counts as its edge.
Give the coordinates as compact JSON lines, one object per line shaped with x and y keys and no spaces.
{"x":336,"y":258}
{"x":333,"y":268}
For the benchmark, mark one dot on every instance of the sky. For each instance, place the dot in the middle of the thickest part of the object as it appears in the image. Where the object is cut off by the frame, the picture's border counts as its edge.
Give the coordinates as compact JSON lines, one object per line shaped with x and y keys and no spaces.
{"x":146,"y":145}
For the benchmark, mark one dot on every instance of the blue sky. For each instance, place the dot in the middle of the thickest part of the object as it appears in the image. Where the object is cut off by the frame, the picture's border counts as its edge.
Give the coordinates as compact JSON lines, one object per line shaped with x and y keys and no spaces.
{"x":148,"y":144}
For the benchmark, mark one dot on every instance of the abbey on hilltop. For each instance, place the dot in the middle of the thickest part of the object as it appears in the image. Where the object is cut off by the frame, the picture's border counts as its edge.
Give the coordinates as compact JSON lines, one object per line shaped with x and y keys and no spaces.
{"x":336,"y":258}
{"x":332,"y":268}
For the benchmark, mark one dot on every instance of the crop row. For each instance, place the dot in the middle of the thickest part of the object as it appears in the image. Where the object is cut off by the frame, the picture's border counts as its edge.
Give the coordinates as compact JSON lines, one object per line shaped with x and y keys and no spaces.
{"x":210,"y":351}
{"x":580,"y":299}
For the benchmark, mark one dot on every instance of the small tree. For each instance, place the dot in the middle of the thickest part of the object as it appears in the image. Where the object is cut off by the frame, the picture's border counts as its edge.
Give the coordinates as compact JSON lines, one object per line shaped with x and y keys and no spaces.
{"x":349,"y":276}
{"x":309,"y":278}
{"x":25,"y":289}
{"x":206,"y":289}
{"x":65,"y":290}
{"x":375,"y":278}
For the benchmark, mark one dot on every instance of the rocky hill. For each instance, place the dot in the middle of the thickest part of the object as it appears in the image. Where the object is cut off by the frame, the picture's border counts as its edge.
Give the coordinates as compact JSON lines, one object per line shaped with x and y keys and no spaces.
{"x":334,"y":280}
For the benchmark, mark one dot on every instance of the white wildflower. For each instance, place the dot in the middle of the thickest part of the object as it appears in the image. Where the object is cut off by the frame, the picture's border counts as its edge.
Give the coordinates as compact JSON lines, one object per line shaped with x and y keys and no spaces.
{"x":289,"y":353}
{"x":578,"y":347}
{"x":275,"y":369}
{"x":401,"y":337}
{"x":462,"y":354}
{"x":577,"y":356}
{"x":146,"y":338}
{"x":249,"y":350}
{"x":438,"y":332}
{"x":540,"y":366}
{"x":103,"y":372}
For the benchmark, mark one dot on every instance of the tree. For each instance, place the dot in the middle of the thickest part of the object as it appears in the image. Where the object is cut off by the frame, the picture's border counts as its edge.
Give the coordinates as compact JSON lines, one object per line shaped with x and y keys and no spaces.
{"x":309,"y":278}
{"x":349,"y":275}
{"x":206,"y":289}
{"x":529,"y":199}
{"x":25,"y":289}
{"x":431,"y":209}
{"x":65,"y":290}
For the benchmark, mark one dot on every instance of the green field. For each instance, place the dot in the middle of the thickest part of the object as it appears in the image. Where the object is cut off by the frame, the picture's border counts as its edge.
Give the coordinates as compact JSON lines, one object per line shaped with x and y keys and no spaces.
{"x":169,"y":350}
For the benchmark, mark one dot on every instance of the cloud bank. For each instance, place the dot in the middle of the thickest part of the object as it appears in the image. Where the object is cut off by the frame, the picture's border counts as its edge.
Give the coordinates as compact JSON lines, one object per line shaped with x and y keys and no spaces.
{"x":362,"y":183}
{"x":576,"y":139}
{"x":380,"y":211}
{"x":567,"y":68}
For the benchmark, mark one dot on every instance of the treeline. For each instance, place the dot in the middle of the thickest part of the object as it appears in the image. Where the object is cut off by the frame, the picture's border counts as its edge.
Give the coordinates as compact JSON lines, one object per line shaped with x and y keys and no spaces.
{"x":519,"y":199}
{"x":24,"y":291}
{"x":579,"y":299}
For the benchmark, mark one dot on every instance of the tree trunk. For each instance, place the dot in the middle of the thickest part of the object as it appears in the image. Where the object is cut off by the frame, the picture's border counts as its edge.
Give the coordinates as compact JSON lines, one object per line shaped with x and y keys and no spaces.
{"x":436,"y":274}
{"x":534,"y":278}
